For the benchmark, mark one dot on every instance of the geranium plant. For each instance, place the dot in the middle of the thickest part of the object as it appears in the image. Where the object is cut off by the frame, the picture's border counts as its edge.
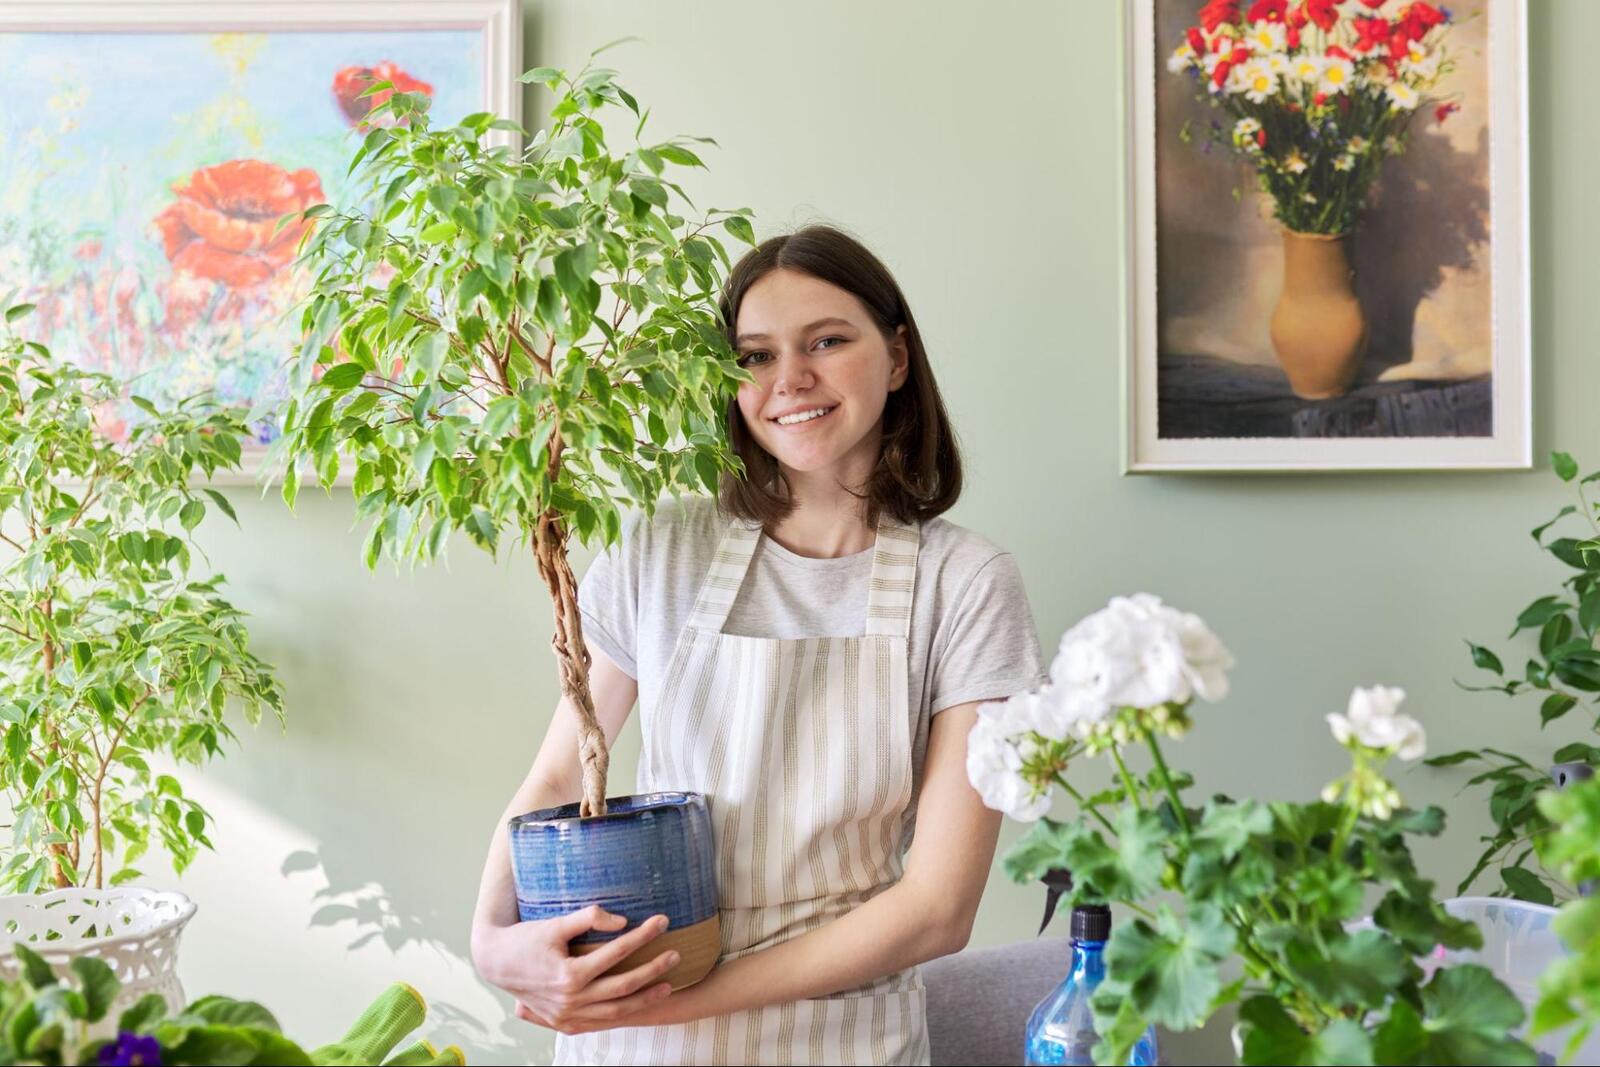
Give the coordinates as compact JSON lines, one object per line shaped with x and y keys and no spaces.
{"x":516,"y":344}
{"x":1317,"y":93}
{"x":110,"y":650}
{"x":1277,"y":885}
{"x":1565,"y":669}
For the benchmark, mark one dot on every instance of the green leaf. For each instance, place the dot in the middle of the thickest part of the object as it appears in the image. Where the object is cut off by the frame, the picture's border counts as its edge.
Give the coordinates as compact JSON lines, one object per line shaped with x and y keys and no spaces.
{"x":1525,"y":885}
{"x":1540,"y":612}
{"x":1564,"y":465}
{"x":1041,"y":849}
{"x":225,"y":1011}
{"x":1485,"y":659}
{"x":98,"y":983}
{"x":222,"y":502}
{"x":1453,"y":758}
{"x":740,"y":227}
{"x":439,"y":232}
{"x":1358,"y":968}
{"x":342,"y":377}
{"x":1555,"y":705}
{"x":35,"y":970}
{"x":1272,"y":1036}
{"x":17,"y":311}
{"x":1171,"y":969}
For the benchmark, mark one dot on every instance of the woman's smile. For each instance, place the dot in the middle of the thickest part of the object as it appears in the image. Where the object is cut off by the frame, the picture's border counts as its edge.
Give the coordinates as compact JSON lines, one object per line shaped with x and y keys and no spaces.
{"x":803,"y":418}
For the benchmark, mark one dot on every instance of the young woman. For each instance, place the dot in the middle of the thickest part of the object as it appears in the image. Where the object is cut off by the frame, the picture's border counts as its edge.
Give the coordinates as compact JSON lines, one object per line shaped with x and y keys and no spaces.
{"x":809,"y":651}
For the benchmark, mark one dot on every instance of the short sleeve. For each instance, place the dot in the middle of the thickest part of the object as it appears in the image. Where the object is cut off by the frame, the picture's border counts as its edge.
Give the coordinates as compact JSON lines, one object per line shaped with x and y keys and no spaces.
{"x":987,"y":648}
{"x":608,"y":598}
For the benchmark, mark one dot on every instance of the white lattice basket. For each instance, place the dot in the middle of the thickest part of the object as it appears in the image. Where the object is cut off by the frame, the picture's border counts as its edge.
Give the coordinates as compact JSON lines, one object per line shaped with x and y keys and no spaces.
{"x":135,"y":931}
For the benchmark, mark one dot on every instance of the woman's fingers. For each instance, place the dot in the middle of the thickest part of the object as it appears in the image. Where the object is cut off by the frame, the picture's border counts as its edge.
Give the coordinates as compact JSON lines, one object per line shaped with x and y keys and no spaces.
{"x":617,"y":986}
{"x":594,"y":917}
{"x":592,"y":965}
{"x":608,"y":1012}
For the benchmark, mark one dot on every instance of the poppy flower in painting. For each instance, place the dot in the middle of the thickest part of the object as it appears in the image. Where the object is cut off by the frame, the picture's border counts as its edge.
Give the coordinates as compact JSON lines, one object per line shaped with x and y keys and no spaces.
{"x":224,"y":224}
{"x":1216,"y":12}
{"x":350,"y":82}
{"x":1322,"y":13}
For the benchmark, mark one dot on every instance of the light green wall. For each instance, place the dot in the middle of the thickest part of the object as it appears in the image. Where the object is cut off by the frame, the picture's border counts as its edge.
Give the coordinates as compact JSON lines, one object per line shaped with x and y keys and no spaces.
{"x":975,"y":147}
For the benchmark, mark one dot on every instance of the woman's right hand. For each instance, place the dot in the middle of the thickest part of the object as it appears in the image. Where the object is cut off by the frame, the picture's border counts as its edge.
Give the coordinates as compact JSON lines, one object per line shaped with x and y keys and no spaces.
{"x":568,"y":993}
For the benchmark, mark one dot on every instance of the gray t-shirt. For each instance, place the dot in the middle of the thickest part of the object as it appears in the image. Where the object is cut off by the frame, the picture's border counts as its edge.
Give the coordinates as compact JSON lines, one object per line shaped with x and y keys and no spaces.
{"x":972,"y":632}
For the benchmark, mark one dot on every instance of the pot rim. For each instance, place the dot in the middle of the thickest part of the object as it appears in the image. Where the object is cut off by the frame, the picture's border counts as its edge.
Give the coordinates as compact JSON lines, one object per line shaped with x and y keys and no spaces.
{"x":53,"y":952}
{"x":642,"y":802}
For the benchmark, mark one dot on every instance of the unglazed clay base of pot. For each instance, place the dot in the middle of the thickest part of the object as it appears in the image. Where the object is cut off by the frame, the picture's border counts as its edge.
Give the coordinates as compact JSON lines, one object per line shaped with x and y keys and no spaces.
{"x":698,"y":947}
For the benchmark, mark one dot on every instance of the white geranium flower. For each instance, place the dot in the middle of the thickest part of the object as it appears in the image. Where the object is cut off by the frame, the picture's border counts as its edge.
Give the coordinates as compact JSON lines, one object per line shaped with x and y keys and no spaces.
{"x":1402,"y":97}
{"x":1373,"y":719}
{"x":994,"y":766}
{"x":1137,"y":652}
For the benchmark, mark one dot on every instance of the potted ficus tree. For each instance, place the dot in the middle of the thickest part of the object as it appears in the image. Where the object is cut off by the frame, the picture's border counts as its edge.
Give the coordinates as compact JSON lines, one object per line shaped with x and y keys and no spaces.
{"x":517,"y":344}
{"x":111,"y":653}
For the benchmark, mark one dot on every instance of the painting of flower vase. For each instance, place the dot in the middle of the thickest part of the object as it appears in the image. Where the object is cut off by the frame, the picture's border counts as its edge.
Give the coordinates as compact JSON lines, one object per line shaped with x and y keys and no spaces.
{"x":1327,"y":234}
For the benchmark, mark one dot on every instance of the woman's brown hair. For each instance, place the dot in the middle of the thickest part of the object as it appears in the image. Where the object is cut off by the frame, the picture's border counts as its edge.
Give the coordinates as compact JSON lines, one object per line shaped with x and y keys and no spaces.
{"x":918,"y":475}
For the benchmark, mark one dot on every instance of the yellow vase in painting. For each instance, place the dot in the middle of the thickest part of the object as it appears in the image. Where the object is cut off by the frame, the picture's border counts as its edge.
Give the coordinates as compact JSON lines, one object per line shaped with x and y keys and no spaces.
{"x":1318,"y":329}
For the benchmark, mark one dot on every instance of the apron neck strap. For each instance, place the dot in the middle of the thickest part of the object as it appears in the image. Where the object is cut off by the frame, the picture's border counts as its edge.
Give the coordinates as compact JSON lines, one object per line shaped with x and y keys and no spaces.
{"x":894,"y":573}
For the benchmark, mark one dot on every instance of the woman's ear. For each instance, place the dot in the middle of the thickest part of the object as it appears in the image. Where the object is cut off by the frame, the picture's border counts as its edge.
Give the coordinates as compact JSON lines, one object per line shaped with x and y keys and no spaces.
{"x":900,"y":355}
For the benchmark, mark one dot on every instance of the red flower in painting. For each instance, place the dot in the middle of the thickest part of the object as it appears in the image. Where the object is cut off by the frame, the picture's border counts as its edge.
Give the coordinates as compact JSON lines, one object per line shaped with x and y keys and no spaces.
{"x":1444,"y":111}
{"x":1268,"y":10}
{"x":1216,"y":12}
{"x":1373,"y":4}
{"x":1197,"y":40}
{"x":351,"y":82}
{"x":224,"y":224}
{"x":1374,"y":33}
{"x":1322,"y":13}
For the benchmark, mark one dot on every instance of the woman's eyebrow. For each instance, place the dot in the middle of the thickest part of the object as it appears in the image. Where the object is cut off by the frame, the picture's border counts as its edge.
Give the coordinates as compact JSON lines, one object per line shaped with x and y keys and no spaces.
{"x":832,"y":321}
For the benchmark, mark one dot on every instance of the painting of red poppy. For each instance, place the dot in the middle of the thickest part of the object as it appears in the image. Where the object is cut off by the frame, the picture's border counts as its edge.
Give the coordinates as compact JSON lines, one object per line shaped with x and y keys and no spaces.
{"x":150,"y":227}
{"x":1327,"y":235}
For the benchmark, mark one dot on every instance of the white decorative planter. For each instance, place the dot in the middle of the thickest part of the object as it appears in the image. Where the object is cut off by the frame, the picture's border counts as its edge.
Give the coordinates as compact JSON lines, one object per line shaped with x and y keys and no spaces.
{"x":135,"y":931}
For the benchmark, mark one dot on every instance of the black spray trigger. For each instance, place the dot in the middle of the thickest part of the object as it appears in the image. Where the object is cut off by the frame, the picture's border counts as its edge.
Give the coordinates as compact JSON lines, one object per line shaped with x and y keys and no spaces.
{"x":1057,"y":880}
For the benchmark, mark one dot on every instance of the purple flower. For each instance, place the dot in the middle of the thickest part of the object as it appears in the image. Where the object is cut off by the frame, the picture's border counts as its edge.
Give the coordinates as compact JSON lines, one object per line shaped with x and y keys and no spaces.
{"x":131,"y":1049}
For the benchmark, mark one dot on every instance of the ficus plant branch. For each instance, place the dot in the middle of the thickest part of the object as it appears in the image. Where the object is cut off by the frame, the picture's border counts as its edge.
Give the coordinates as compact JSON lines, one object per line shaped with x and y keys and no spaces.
{"x":559,"y":290}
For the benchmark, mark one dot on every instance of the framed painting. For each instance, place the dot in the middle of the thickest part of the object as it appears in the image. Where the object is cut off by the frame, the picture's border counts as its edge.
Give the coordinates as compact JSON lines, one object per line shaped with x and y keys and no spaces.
{"x":151,"y":149}
{"x":1326,"y":260}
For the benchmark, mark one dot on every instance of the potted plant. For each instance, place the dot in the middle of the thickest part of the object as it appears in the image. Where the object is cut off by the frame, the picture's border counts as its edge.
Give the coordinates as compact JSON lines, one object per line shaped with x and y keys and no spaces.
{"x":1278,"y":886}
{"x":517,"y":344}
{"x":111,"y":651}
{"x":1570,"y":988}
{"x":50,"y":1018}
{"x":1565,"y":669}
{"x":1316,"y":96}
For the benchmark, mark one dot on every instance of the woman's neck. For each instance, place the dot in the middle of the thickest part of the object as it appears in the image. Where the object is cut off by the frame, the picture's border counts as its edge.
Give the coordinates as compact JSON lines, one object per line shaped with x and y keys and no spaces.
{"x":827,"y":520}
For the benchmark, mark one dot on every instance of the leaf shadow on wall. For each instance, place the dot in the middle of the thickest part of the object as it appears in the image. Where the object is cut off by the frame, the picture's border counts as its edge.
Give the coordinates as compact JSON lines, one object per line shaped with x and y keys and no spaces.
{"x":370,"y":913}
{"x":1429,"y":212}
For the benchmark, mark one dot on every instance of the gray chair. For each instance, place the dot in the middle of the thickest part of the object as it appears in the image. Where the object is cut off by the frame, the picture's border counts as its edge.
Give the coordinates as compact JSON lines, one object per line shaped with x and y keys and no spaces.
{"x":979,"y":999}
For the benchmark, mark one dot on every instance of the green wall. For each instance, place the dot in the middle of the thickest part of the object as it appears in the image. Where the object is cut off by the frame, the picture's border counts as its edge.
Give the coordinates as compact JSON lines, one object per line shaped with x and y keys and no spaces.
{"x":975,"y":147}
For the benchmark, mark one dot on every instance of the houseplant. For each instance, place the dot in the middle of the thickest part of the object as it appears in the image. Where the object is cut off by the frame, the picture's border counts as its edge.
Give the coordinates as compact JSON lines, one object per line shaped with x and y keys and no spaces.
{"x":517,"y":345}
{"x":111,"y":651}
{"x":1565,"y":671}
{"x":46,"y":1018}
{"x":1317,"y":95}
{"x":1274,"y":885}
{"x":1570,"y":990}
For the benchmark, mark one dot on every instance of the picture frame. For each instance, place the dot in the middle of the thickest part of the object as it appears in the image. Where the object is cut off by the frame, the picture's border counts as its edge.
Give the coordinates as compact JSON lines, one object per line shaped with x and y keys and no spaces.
{"x":1228,"y":414}
{"x":168,"y":269}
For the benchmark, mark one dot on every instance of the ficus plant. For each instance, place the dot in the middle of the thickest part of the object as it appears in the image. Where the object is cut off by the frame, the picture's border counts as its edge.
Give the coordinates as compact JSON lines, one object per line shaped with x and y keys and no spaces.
{"x":1564,"y":671}
{"x":111,"y":651}
{"x":515,"y":343}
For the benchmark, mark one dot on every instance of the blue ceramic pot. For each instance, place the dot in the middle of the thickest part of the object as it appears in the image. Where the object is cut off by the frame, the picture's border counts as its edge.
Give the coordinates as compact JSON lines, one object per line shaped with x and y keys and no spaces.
{"x":650,"y":854}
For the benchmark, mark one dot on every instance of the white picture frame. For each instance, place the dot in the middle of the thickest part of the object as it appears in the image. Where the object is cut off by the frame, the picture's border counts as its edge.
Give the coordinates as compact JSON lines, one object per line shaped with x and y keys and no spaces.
{"x":1508,"y":446}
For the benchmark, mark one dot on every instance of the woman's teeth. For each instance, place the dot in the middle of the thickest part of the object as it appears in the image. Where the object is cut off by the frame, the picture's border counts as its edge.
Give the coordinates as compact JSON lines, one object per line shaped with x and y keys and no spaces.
{"x":804,"y":416}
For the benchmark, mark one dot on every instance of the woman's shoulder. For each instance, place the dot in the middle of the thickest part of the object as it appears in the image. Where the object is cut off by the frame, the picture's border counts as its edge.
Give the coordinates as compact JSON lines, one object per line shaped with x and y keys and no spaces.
{"x":677,"y":525}
{"x":957,"y":547}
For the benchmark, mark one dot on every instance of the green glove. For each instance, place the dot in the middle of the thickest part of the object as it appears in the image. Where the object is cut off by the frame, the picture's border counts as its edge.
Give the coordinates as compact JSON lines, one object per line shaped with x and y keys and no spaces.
{"x":397,"y":1011}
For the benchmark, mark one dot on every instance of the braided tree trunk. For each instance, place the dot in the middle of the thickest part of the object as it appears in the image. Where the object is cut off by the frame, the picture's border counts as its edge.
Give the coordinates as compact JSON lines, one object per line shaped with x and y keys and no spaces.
{"x":550,"y":548}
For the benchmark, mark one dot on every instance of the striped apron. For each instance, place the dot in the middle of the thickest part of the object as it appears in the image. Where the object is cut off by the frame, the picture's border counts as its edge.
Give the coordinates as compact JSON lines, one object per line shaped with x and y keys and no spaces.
{"x":803,"y":747}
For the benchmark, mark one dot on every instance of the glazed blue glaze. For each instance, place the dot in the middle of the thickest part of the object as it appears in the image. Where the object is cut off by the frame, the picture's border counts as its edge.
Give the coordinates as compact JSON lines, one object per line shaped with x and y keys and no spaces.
{"x":649,"y":854}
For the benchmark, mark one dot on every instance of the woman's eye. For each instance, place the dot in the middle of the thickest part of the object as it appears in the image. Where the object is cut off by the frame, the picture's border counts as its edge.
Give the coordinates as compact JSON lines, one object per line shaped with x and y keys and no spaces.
{"x":825,"y":340}
{"x":750,"y":357}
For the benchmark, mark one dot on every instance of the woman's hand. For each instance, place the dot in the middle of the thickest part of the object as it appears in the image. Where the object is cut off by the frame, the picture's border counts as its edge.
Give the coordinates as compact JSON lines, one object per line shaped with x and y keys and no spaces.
{"x":566,"y":992}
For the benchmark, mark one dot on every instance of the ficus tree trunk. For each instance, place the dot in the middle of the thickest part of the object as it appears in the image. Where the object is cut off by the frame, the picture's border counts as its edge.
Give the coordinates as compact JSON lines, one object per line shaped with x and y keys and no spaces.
{"x":572,"y":657}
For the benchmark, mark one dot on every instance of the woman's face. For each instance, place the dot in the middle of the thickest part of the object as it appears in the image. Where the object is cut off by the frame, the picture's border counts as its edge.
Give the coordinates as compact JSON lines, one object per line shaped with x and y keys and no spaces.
{"x":813,"y":348}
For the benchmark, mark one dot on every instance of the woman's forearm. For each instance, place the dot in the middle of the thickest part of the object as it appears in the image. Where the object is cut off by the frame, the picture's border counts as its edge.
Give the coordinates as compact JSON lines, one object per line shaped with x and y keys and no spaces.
{"x":497,"y":895}
{"x":894,"y":930}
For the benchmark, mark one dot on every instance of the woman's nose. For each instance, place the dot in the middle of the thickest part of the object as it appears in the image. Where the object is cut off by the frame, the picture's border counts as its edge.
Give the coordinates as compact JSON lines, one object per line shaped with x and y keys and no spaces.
{"x":792,"y":374}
